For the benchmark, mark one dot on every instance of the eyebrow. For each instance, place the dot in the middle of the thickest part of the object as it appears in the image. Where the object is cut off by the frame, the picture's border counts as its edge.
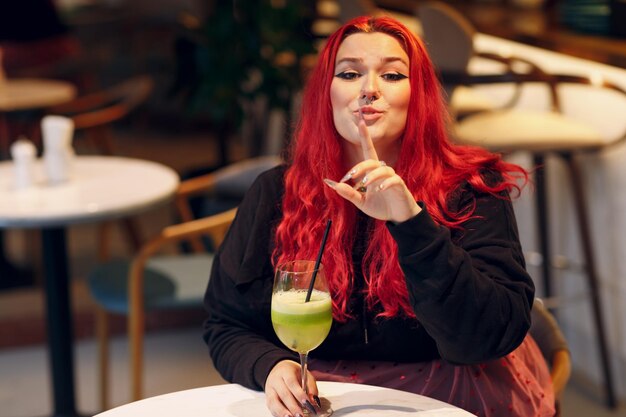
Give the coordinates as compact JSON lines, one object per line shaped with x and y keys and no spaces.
{"x":386,"y":60}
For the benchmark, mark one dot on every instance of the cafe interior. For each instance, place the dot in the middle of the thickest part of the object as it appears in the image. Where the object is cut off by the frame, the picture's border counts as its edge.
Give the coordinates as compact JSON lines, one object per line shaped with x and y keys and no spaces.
{"x":169,"y":109}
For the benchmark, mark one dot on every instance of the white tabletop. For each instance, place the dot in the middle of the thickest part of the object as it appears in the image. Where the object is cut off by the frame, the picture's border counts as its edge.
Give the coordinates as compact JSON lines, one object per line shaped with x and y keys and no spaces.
{"x":33,"y":93}
{"x":232,"y":400}
{"x":101,"y":187}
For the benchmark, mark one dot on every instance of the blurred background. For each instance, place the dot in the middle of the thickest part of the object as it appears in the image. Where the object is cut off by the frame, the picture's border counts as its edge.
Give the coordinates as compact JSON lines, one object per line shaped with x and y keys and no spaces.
{"x":225,"y":77}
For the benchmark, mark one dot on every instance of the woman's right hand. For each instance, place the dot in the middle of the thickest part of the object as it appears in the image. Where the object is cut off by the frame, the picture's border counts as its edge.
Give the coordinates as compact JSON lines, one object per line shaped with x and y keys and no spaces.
{"x":284,"y":396}
{"x":379,"y":192}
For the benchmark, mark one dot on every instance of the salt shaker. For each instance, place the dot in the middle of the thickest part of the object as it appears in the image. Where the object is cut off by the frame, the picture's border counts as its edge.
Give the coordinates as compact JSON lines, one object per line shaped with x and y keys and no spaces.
{"x":58,"y":154}
{"x":23,"y":153}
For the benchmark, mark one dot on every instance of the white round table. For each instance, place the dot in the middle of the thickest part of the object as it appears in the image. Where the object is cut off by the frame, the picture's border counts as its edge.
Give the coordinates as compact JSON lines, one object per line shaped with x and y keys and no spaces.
{"x":232,"y":400}
{"x":101,"y":188}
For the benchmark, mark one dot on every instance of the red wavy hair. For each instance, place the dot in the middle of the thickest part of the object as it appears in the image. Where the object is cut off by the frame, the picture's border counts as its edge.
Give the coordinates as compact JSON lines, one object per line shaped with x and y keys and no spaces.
{"x":429,"y":164}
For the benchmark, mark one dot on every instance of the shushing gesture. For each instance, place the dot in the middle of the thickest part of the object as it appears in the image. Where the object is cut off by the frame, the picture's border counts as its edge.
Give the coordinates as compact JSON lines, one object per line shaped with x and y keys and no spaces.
{"x":376,"y":188}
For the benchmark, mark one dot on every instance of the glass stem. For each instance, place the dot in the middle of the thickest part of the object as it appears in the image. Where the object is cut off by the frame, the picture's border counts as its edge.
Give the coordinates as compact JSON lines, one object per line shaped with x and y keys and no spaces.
{"x":303,"y":370}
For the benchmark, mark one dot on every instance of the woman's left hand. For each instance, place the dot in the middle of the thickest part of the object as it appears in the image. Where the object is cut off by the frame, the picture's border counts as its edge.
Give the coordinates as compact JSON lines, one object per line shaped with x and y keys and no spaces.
{"x":379,"y":192}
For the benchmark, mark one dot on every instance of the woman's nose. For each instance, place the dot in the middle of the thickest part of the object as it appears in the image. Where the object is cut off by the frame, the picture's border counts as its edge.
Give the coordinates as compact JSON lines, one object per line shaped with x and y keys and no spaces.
{"x":369,"y":91}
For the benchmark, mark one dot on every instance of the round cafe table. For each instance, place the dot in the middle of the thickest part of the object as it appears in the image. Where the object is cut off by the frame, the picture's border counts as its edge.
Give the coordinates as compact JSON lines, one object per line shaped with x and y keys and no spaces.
{"x":232,"y":400}
{"x":101,"y":188}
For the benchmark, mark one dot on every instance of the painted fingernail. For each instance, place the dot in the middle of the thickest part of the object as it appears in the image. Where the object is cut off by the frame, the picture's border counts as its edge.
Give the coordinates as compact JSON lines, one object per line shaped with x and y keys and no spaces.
{"x":310,"y":407}
{"x":332,"y":184}
{"x":348,"y":176}
{"x":364,"y":180}
{"x":298,"y":415}
{"x":381,"y":187}
{"x":317,"y":400}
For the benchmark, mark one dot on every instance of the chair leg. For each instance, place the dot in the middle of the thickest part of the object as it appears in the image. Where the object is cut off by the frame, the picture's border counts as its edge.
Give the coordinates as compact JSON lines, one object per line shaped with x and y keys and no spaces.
{"x":136,"y":321}
{"x":133,"y":235}
{"x":32,"y":246}
{"x":104,"y":235}
{"x":102,"y":333}
{"x":541,"y":202}
{"x":101,"y":138}
{"x":5,"y":137}
{"x":587,"y":247}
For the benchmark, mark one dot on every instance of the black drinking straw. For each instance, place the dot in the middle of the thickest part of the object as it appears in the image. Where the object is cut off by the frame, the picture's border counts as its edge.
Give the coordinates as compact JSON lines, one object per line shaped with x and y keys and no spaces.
{"x":317,"y":262}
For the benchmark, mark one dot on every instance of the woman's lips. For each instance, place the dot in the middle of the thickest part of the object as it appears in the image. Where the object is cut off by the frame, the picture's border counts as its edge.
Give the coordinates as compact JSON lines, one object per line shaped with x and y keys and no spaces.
{"x":369,"y":113}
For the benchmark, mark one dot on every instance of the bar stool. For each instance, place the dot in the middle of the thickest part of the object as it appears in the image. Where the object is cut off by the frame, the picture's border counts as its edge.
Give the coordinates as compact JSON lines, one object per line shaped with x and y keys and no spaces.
{"x":543,"y":134}
{"x":540,"y":134}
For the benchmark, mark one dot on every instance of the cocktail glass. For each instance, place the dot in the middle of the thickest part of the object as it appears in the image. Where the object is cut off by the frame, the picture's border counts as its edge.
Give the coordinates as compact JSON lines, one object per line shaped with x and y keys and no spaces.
{"x":301,"y":325}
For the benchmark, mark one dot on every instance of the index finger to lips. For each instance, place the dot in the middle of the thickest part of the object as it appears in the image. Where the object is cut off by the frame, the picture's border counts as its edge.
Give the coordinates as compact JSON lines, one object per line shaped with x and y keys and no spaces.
{"x":369,"y":152}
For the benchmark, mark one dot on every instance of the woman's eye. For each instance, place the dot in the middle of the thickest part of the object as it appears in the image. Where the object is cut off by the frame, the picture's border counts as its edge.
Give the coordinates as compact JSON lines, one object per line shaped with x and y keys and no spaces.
{"x":348,"y":75}
{"x":393,"y":76}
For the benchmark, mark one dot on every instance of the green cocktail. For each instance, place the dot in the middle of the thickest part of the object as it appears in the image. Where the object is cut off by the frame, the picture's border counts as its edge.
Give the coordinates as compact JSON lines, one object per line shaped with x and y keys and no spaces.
{"x":301,"y":326}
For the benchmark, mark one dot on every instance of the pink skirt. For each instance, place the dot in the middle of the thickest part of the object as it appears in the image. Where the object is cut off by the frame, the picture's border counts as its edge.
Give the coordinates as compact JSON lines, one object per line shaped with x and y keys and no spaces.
{"x":518,"y":384}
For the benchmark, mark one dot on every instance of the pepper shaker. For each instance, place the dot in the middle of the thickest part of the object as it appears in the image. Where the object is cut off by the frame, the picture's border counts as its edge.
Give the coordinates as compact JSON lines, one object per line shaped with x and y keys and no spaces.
{"x":23,"y":153}
{"x":58,"y":155}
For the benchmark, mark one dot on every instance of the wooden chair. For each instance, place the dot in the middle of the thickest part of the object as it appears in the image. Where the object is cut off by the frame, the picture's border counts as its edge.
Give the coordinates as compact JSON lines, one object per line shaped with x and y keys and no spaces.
{"x":153,"y":281}
{"x":541,"y":134}
{"x":94,"y":115}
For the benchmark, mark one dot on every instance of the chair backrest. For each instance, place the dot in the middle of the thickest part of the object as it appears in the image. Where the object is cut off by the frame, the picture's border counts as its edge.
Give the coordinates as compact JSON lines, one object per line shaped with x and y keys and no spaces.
{"x":448,"y":35}
{"x":229,"y":183}
{"x":107,"y":106}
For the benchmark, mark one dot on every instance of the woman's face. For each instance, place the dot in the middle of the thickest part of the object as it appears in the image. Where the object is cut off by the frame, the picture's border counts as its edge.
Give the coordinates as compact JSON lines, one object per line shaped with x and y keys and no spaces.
{"x":371,"y":66}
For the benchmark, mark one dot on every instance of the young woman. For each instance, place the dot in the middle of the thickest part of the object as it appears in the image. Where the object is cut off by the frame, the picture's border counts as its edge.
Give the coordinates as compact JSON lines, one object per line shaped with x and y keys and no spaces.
{"x":425,"y":268}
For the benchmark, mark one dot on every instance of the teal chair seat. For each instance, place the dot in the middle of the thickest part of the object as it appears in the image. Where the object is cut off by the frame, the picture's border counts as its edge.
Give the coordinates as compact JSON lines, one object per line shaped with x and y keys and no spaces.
{"x":170,"y":282}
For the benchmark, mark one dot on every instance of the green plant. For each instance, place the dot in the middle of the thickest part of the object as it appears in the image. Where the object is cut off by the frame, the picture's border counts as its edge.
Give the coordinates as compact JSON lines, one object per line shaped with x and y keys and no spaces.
{"x":244,"y":49}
